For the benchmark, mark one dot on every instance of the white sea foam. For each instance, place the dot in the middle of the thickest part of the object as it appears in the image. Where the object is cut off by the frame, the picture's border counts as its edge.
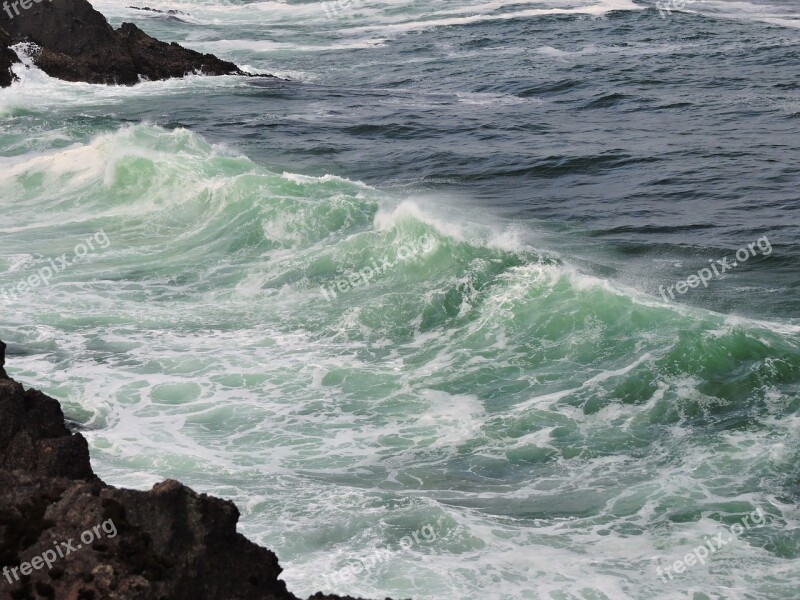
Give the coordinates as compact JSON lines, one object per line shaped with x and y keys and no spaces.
{"x":784,"y":15}
{"x":207,"y":354}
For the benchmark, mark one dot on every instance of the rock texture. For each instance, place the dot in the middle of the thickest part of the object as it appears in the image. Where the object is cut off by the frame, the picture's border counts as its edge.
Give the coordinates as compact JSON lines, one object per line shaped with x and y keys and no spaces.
{"x":75,"y":42}
{"x":168,"y":543}
{"x":7,"y":58}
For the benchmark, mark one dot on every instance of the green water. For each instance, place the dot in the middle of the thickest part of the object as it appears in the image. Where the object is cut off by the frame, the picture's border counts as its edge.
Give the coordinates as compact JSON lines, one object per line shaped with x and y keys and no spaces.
{"x":560,"y":433}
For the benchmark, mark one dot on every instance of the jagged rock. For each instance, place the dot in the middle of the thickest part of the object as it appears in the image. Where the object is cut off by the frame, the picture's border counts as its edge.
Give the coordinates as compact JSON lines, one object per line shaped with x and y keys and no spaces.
{"x":74,"y":42}
{"x":166,"y":543}
{"x":155,"y":10}
{"x":169,"y":543}
{"x":34,"y":438}
{"x":3,"y":374}
{"x":7,"y":58}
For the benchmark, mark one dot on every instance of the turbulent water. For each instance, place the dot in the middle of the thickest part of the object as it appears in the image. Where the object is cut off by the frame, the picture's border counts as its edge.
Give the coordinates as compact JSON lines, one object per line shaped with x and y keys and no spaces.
{"x":422,"y":288}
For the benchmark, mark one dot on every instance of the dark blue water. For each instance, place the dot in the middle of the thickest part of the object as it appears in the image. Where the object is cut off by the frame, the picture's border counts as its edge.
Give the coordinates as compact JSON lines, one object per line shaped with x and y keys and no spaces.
{"x":653,"y":142}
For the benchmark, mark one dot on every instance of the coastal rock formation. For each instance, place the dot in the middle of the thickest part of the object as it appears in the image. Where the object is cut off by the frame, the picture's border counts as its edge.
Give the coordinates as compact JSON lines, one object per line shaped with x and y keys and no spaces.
{"x":74,"y":42}
{"x":170,"y":13}
{"x":7,"y":58}
{"x":169,"y":543}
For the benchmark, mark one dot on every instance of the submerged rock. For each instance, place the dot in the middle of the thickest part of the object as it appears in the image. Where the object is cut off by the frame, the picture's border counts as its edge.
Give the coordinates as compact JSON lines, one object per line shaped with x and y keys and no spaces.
{"x":74,"y":42}
{"x":155,"y":10}
{"x":66,"y":534}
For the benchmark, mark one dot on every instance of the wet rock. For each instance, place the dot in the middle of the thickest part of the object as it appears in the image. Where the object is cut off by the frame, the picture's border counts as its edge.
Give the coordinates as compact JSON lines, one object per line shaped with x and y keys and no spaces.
{"x":66,"y":534}
{"x":72,"y":41}
{"x":7,"y":58}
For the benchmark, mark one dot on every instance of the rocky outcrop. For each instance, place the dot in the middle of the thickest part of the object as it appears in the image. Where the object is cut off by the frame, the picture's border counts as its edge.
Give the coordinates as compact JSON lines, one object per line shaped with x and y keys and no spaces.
{"x":65,"y":534}
{"x":7,"y":58}
{"x":170,"y":13}
{"x":74,"y":42}
{"x":34,"y":438}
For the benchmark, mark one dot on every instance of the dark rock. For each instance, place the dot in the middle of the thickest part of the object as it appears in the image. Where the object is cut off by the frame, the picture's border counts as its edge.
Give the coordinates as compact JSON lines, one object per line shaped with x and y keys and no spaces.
{"x":155,"y":10}
{"x":74,"y":42}
{"x":166,"y":543}
{"x":3,"y":360}
{"x":34,"y":437}
{"x":7,"y":58}
{"x":169,"y":543}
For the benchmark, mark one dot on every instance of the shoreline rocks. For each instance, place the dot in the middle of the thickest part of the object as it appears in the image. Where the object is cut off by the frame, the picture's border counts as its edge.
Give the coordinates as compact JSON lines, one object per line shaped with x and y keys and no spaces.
{"x":168,"y":543}
{"x":7,"y":58}
{"x":74,"y":42}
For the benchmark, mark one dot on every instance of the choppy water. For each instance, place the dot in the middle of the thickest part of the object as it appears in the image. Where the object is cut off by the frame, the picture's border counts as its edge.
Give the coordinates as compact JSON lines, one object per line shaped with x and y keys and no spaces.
{"x":515,"y":180}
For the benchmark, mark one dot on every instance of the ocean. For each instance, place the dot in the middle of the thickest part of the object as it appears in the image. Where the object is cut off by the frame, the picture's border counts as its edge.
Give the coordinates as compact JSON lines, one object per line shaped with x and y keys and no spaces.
{"x":516,"y":281}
